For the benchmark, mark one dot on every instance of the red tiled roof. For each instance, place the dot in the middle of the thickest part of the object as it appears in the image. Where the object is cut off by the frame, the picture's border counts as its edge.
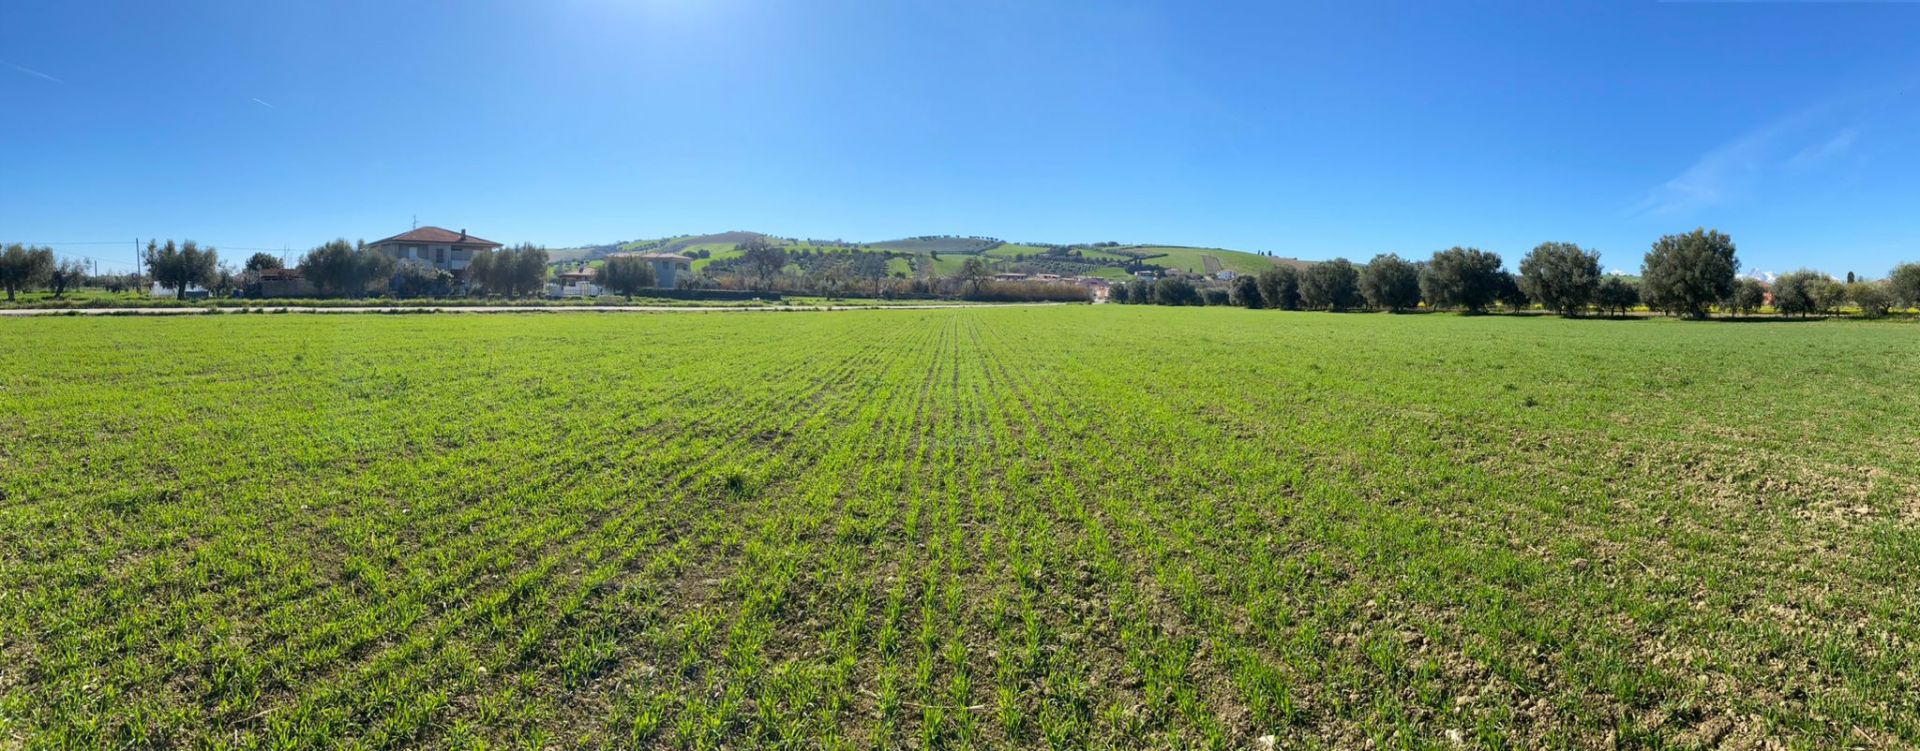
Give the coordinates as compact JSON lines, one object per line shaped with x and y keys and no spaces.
{"x":437,"y":236}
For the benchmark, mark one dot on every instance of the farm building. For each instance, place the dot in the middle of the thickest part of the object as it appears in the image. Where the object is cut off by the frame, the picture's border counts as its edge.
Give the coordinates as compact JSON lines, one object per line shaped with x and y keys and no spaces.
{"x":281,"y":283}
{"x":443,"y":249}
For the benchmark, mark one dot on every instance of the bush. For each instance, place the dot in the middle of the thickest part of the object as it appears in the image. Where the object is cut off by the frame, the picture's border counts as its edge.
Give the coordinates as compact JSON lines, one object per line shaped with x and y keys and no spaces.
{"x":1216,"y":296}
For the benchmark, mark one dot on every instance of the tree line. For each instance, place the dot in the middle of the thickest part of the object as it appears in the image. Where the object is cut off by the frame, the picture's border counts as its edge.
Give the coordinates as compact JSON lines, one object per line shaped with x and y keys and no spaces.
{"x":1690,"y":275}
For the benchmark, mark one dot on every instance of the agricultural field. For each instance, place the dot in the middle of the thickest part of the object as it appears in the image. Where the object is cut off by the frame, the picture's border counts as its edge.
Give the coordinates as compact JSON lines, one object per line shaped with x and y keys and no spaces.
{"x":1039,"y":527}
{"x":1194,"y":260}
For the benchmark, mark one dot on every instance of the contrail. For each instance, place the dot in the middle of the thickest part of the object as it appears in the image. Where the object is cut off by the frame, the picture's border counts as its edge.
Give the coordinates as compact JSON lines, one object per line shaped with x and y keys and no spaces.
{"x":263,"y":103}
{"x":31,"y":72}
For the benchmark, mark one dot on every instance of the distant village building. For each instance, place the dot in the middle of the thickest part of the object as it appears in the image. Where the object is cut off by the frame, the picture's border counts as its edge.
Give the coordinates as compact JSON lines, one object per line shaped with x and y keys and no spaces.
{"x":666,"y":266}
{"x":440,"y":248}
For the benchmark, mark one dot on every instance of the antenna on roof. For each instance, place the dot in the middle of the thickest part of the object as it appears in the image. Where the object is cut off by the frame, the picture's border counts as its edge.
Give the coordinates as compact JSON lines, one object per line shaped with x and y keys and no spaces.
{"x":416,"y":221}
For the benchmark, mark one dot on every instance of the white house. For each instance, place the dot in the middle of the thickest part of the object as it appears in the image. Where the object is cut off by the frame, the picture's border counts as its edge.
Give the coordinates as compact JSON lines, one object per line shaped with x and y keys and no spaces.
{"x":442,"y":249}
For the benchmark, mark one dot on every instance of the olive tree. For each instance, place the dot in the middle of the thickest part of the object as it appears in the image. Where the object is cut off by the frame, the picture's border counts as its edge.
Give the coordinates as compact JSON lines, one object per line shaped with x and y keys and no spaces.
{"x":259,"y":262}
{"x":342,"y":268}
{"x":1246,"y":292}
{"x":625,"y":275}
{"x":1903,"y":285}
{"x":1390,"y":282}
{"x":181,"y":266}
{"x":765,"y":260}
{"x":1562,"y":277}
{"x":1829,"y":295}
{"x":1747,"y":297}
{"x":1510,"y":294}
{"x":1616,"y":295}
{"x":1330,"y":285}
{"x":1280,"y":287}
{"x":1686,"y":274}
{"x":1800,"y":292}
{"x":1872,"y":298}
{"x":66,"y":275}
{"x":1175,"y":291}
{"x":1468,"y":278}
{"x":23,"y":267}
{"x":518,"y":271}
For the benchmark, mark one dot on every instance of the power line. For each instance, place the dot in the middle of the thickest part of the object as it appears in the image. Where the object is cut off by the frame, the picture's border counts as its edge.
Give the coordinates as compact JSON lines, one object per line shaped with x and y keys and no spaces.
{"x":215,"y":246}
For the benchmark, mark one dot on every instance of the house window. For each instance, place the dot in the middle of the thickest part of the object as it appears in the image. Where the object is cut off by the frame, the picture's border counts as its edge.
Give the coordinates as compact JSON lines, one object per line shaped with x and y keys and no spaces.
{"x":439,"y":255}
{"x":413,"y":251}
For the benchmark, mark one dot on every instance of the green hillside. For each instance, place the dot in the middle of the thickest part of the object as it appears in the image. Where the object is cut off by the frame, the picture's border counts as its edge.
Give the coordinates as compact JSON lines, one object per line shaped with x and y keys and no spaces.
{"x":1193,"y":260}
{"x":944,"y":255}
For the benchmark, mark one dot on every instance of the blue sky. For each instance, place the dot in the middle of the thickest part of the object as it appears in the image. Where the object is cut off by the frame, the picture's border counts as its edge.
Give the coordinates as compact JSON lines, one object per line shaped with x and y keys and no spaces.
{"x":1312,"y":130}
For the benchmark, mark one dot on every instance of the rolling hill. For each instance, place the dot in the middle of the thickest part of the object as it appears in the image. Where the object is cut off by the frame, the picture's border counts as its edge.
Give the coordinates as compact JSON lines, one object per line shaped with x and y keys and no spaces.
{"x":941,"y":255}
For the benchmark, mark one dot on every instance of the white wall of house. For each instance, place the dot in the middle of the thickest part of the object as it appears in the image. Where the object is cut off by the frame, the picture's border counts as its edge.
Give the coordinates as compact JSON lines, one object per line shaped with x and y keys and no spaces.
{"x":448,"y":257}
{"x":665,"y":273}
{"x":574,"y":289}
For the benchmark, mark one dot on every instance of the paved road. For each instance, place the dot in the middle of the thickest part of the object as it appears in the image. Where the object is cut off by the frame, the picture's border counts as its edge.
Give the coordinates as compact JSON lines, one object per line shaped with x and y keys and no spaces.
{"x":486,"y":309}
